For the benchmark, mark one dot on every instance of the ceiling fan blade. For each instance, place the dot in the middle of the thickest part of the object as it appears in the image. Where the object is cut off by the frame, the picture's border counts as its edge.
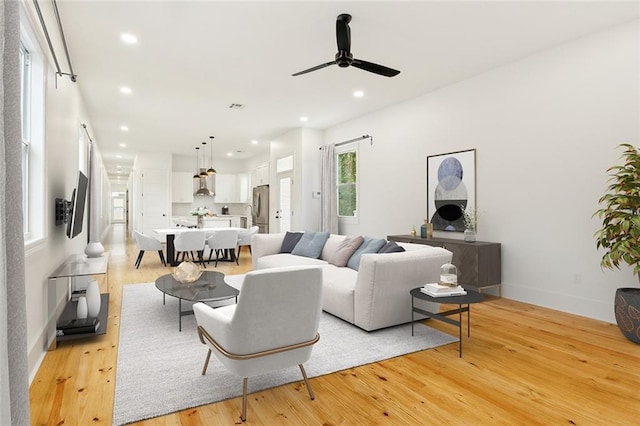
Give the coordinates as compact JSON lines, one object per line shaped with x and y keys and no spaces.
{"x":374,"y":68}
{"x":343,"y":33}
{"x":317,"y":67}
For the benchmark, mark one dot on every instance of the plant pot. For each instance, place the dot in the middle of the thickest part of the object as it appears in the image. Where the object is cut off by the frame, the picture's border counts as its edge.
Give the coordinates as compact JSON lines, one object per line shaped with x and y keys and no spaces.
{"x":200,"y":222}
{"x":627,"y":309}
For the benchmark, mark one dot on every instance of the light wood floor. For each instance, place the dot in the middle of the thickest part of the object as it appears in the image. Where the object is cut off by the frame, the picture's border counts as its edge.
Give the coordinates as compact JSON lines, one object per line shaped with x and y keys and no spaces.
{"x":522,"y":365}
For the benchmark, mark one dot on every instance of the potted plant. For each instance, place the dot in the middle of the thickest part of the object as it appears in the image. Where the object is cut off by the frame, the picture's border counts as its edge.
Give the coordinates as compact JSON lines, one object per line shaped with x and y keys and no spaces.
{"x":620,"y":235}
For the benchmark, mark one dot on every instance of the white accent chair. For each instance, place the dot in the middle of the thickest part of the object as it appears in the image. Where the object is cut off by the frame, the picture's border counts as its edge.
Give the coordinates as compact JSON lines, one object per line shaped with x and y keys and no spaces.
{"x":273,"y":326}
{"x":223,"y":239}
{"x":244,"y":239}
{"x":189,"y":241}
{"x":146,"y":243}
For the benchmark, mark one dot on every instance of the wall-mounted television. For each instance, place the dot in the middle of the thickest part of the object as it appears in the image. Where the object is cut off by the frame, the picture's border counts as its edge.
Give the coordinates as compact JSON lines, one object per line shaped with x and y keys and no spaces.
{"x":78,"y":200}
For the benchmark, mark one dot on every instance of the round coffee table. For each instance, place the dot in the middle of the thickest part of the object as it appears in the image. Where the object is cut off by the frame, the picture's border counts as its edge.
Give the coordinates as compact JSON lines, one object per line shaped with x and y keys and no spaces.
{"x":208,"y":288}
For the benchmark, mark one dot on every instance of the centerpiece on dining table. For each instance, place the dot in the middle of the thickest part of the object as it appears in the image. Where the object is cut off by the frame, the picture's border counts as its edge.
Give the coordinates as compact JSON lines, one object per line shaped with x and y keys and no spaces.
{"x":200,"y":213}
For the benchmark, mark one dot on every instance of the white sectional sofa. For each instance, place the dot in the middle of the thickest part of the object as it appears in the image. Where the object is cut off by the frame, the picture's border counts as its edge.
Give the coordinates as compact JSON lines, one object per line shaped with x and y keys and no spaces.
{"x":373,"y":297}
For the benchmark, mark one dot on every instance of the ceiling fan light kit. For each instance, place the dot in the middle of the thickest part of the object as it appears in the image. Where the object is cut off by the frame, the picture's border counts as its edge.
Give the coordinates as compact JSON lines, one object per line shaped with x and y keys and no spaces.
{"x":344,"y":58}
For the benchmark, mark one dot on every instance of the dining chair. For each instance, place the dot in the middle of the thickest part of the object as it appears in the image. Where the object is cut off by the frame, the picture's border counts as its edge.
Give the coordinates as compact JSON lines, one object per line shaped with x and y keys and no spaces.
{"x":189,"y":241}
{"x":273,"y":326}
{"x":144,"y":243}
{"x":223,"y":239}
{"x":244,"y":239}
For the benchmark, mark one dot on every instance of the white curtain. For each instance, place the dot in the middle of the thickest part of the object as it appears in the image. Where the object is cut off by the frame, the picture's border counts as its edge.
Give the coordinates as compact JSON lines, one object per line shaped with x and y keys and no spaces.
{"x":328,"y":197}
{"x":14,"y":375}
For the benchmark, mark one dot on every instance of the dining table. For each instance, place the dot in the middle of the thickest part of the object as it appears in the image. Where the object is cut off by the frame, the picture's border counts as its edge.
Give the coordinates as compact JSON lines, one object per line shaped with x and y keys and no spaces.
{"x":170,"y":235}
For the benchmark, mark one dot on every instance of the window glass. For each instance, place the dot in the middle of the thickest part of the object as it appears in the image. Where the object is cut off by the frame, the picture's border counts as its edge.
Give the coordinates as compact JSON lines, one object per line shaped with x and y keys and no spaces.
{"x":32,"y":80}
{"x":347,"y":185}
{"x":25,"y":116}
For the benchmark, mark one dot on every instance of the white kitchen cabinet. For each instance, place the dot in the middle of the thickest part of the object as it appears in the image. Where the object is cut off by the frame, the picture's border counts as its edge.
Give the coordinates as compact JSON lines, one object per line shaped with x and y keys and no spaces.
{"x":243,"y":181}
{"x":261,"y":174}
{"x":226,"y":189}
{"x":182,"y":187}
{"x":216,"y":222}
{"x":232,"y":188}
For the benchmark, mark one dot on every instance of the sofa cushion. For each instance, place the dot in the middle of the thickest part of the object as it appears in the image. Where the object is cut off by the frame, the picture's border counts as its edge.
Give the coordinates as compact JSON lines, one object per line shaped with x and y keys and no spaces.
{"x":345,"y":250}
{"x":311,"y":244}
{"x":338,"y":291}
{"x":289,"y":242}
{"x":286,"y":259}
{"x":369,"y":245}
{"x":391,"y":247}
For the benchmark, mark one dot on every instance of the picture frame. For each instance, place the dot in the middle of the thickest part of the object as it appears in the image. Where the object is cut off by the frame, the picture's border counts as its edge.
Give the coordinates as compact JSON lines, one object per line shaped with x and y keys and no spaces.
{"x":451,"y":188}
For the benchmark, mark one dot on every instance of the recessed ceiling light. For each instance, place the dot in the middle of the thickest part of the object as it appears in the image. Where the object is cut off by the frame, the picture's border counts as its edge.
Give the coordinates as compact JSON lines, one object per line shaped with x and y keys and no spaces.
{"x":254,"y":142}
{"x":126,"y":90}
{"x":123,"y":145}
{"x":229,"y":154}
{"x":303,"y":119}
{"x":124,"y":128}
{"x":118,"y":156}
{"x":119,"y":166}
{"x":129,"y":38}
{"x":358,"y":93}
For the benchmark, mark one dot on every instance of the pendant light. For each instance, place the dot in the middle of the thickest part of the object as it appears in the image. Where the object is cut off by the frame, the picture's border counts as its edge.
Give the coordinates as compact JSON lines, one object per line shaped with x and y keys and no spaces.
{"x":196,"y":175}
{"x":203,"y":172}
{"x":211,"y":170}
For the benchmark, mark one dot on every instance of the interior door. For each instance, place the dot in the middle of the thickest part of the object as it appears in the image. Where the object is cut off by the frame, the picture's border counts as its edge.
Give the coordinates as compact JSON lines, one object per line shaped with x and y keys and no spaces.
{"x":284,"y":213}
{"x":155,"y":197}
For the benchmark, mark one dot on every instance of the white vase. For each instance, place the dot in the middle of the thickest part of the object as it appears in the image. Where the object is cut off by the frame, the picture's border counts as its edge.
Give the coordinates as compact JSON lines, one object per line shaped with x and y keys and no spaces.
{"x":81,"y":310}
{"x":94,"y":249}
{"x":93,"y":299}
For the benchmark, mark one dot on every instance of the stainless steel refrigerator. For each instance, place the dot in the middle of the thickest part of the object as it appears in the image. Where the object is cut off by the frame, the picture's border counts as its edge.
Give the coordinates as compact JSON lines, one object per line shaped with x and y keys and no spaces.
{"x":260,"y":208}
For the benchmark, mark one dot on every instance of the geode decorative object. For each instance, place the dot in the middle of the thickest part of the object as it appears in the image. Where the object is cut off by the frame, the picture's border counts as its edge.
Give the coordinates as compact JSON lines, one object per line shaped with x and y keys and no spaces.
{"x":186,"y":272}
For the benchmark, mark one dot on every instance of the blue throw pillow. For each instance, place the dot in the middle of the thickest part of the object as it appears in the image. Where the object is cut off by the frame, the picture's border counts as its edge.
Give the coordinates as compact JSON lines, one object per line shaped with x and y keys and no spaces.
{"x":391,"y":247}
{"x":370,"y":245}
{"x":311,"y":244}
{"x":289,"y":242}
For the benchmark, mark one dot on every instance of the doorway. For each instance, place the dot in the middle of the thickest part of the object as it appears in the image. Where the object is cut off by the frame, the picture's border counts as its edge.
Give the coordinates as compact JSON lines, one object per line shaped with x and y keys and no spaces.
{"x":284,"y":213}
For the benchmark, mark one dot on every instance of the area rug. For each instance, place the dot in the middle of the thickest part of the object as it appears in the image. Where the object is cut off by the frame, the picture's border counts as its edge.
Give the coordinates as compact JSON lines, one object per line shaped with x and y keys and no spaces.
{"x":159,"y":368}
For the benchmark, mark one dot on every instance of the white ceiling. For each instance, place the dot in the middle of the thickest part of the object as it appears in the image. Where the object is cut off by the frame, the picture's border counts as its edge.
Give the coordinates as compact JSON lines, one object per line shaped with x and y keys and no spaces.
{"x":194,"y":59}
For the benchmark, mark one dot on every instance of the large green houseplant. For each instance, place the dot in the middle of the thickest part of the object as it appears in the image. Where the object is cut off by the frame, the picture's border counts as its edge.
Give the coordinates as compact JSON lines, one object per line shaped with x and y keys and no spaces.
{"x":620,"y":235}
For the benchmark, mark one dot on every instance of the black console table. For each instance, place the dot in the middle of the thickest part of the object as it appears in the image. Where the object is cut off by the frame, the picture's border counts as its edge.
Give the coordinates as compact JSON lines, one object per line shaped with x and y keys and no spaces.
{"x":479,"y":263}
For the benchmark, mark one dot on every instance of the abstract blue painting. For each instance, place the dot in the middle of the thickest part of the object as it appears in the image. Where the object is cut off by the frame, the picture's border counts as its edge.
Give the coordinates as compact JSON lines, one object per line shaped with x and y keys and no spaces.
{"x":451,"y":188}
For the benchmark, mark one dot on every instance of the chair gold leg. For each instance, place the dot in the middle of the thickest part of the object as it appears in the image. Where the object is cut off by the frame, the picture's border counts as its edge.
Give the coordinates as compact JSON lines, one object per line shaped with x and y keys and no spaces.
{"x":244,"y":399}
{"x":206,"y":363}
{"x":306,"y":382}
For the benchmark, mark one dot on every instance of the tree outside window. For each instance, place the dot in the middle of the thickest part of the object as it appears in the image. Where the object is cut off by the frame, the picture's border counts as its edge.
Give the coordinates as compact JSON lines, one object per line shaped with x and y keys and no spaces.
{"x":347,"y":183}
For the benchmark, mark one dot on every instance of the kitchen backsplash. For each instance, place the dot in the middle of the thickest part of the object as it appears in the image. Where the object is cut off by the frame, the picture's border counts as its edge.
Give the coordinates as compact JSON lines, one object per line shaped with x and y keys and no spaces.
{"x":184,"y":209}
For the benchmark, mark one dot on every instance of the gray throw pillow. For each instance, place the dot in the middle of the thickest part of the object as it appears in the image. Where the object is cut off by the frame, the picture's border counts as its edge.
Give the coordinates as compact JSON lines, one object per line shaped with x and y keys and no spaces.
{"x":369,"y":245}
{"x":311,"y":244}
{"x":289,"y":242}
{"x":391,"y":247}
{"x":345,"y":250}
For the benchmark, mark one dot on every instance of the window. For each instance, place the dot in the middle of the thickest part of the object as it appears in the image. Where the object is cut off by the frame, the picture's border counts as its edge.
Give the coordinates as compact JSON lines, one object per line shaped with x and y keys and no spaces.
{"x":347,"y":180}
{"x":32,"y":134}
{"x":25,"y":116}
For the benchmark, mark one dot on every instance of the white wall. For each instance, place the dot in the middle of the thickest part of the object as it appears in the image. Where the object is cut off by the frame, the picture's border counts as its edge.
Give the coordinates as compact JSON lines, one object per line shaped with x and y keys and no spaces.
{"x":545,"y":130}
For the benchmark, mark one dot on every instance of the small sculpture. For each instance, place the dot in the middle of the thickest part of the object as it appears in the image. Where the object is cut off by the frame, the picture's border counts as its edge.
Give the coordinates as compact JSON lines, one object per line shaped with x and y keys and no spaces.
{"x":186,"y":272}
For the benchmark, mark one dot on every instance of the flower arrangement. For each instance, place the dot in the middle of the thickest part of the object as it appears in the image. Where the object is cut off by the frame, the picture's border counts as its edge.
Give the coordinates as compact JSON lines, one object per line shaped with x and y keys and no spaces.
{"x":470,"y":218}
{"x":200,"y":211}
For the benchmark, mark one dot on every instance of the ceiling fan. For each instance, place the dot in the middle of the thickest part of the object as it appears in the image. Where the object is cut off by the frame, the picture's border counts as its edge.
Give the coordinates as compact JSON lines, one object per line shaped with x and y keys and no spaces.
{"x":344,"y":58}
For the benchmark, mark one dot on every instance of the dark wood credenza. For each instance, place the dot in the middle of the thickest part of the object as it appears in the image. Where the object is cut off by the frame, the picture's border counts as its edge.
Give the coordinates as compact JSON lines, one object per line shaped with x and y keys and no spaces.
{"x":479,"y":263}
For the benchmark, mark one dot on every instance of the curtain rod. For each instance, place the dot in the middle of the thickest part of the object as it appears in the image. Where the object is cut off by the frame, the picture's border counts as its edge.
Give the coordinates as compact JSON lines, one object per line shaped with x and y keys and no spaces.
{"x":72,"y":75}
{"x":84,"y":126}
{"x":359,"y":138}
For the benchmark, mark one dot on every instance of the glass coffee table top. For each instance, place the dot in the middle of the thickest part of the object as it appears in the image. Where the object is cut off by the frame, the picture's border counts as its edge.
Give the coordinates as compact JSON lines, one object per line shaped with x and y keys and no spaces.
{"x":209,"y":287}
